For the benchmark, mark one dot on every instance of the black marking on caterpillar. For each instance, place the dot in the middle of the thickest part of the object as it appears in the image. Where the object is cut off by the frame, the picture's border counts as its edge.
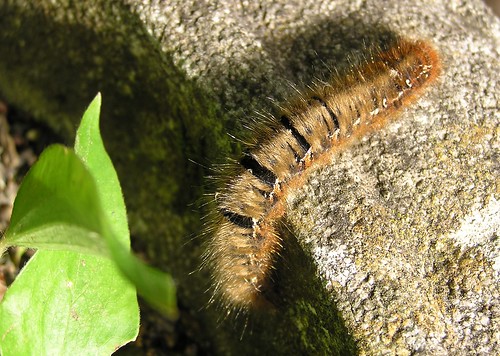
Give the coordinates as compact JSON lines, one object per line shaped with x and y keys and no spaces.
{"x":318,"y":123}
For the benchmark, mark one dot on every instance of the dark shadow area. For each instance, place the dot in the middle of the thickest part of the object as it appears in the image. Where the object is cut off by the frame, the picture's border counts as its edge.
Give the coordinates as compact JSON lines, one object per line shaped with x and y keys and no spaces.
{"x":306,"y":319}
{"x":153,"y":120}
{"x":330,"y":47}
{"x":315,"y":53}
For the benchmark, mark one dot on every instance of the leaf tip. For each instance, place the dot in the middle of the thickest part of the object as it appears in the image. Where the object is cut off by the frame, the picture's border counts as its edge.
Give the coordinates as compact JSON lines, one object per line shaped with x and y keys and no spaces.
{"x":97,"y":100}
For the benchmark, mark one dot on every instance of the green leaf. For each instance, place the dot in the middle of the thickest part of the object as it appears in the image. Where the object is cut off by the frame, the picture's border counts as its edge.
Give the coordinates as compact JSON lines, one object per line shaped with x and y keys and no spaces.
{"x":73,"y":302}
{"x":90,"y":149}
{"x":56,"y":206}
{"x":68,"y":302}
{"x":154,"y":286}
{"x":64,"y":302}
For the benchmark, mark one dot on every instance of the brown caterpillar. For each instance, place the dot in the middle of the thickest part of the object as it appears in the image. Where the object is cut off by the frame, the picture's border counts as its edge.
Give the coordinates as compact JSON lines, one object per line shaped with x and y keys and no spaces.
{"x":328,"y":117}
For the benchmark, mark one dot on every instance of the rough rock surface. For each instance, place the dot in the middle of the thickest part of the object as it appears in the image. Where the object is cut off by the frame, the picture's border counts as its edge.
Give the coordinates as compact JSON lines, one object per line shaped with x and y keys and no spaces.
{"x":403,"y":227}
{"x":400,"y":232}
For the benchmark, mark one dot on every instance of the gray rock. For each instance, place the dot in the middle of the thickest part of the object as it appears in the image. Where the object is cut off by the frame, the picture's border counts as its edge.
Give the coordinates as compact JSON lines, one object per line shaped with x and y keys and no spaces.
{"x":399,"y":233}
{"x":404,"y":226}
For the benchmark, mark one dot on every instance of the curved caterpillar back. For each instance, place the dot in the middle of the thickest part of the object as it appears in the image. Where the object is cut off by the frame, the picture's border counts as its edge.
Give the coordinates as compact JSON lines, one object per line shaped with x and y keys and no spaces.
{"x":316,"y":124}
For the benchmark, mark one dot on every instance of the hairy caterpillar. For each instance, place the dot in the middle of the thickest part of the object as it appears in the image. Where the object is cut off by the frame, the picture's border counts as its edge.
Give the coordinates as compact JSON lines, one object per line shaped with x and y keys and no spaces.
{"x":326,"y":118}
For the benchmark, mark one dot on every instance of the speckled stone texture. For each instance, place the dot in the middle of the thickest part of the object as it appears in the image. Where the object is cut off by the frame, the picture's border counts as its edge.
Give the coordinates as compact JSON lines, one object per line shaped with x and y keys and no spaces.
{"x":403,"y":226}
{"x":399,"y":233}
